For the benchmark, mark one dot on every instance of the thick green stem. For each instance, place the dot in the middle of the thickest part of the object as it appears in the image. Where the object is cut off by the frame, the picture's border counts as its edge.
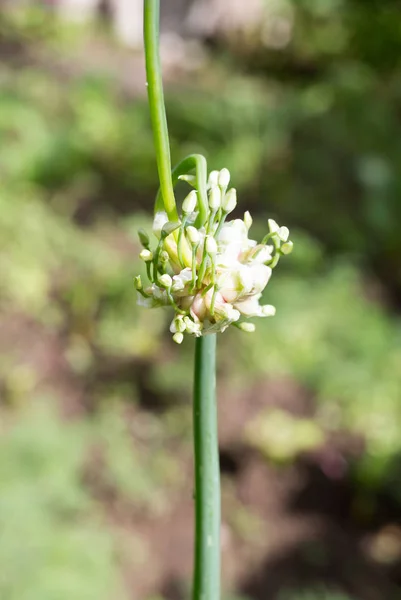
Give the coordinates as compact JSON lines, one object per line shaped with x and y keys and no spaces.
{"x":156,"y":104}
{"x":206,"y":584}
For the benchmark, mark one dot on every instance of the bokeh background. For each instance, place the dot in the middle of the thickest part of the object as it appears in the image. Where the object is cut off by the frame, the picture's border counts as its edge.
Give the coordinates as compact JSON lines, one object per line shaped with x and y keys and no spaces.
{"x":301,"y":100}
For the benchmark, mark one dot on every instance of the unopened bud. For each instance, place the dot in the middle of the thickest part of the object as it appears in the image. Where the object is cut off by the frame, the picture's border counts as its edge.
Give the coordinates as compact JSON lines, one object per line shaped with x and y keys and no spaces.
{"x":193,"y":235}
{"x":168,"y":228}
{"x":211,"y":246}
{"x":247,"y":327}
{"x":224,"y":178}
{"x":146,"y":255}
{"x":191,"y":179}
{"x":229,"y":200}
{"x":165,"y":280}
{"x":213,"y":178}
{"x":287,"y":247}
{"x":143,"y":238}
{"x":273,"y":226}
{"x":189,"y":204}
{"x":268,"y":310}
{"x":178,"y":337}
{"x":138,"y":283}
{"x":164,"y":257}
{"x":215,"y":198}
{"x":248,"y":220}
{"x":283,"y":233}
{"x":159,"y":222}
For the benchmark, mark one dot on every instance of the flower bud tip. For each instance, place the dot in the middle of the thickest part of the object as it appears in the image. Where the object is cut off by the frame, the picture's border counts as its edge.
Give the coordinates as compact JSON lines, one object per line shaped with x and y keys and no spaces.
{"x":211,"y":246}
{"x":189,"y":204}
{"x":146,"y":255}
{"x":165,"y":280}
{"x":247,"y":327}
{"x":268,"y":310}
{"x":193,"y":235}
{"x":178,"y":337}
{"x":230,"y":200}
{"x":215,"y":198}
{"x":287,"y":247}
{"x":224,"y":178}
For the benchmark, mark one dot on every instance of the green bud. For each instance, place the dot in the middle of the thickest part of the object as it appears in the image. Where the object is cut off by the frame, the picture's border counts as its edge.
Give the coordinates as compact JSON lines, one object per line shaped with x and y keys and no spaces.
{"x":287,"y":247}
{"x":168,"y":228}
{"x":138,"y":283}
{"x":143,"y":238}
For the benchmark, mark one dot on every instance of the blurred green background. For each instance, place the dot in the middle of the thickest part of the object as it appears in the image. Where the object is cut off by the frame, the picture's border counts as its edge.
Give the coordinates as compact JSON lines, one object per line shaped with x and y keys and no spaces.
{"x":303,"y":105}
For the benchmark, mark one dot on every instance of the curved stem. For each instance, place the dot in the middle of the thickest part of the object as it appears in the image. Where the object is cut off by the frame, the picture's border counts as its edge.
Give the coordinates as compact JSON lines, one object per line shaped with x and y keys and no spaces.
{"x":151,"y":19}
{"x":192,"y":162}
{"x":206,"y":584}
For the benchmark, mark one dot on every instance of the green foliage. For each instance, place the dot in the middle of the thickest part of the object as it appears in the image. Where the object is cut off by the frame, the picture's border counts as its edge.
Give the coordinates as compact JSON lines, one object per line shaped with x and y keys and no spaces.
{"x":282,"y":437}
{"x":51,"y":543}
{"x":345,"y":349}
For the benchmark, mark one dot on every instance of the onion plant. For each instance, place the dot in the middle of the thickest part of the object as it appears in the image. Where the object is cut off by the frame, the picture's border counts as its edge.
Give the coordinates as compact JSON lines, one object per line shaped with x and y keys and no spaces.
{"x":211,"y":274}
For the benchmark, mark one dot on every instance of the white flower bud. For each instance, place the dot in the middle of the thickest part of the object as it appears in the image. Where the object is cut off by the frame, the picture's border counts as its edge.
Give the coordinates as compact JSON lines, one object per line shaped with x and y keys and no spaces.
{"x":287,"y":247}
{"x":247,"y":327}
{"x":211,"y":246}
{"x":178,"y":337}
{"x":215,"y":198}
{"x":146,"y":255}
{"x":268,"y":310}
{"x":191,"y":179}
{"x":273,"y":227}
{"x":165,"y":280}
{"x":159,"y":221}
{"x":229,"y":200}
{"x":248,"y":220}
{"x":213,"y":178}
{"x":189,"y":204}
{"x":224,"y":178}
{"x":283,"y":233}
{"x":193,"y":235}
{"x":164,"y":257}
{"x":138,"y":283}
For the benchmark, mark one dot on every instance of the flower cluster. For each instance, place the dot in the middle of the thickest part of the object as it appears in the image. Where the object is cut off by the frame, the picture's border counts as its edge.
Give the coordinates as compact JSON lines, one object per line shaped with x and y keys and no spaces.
{"x":212,"y":274}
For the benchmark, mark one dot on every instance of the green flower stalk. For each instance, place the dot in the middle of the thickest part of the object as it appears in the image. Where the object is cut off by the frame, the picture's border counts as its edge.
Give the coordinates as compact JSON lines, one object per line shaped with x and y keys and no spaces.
{"x":208,"y":270}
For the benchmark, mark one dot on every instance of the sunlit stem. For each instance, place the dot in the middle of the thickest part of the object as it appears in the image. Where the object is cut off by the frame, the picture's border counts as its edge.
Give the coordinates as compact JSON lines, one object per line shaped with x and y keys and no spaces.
{"x":156,"y":104}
